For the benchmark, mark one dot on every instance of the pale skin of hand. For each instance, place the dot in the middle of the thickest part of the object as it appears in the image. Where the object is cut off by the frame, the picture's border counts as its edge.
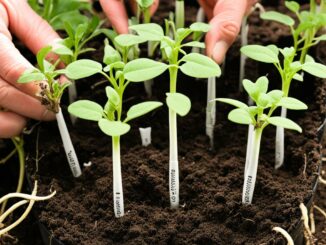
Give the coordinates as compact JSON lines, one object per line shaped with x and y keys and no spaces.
{"x":225,"y":17}
{"x":18,"y":101}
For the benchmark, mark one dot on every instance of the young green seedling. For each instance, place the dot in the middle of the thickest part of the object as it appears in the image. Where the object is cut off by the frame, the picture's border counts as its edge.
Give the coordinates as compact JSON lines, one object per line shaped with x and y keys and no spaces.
{"x":50,"y":96}
{"x":194,"y":65}
{"x":74,"y":45}
{"x":288,"y":70}
{"x":117,"y":72}
{"x":309,"y":23}
{"x":56,"y":12}
{"x":260,"y":116}
{"x":144,"y":12}
{"x":244,"y":42}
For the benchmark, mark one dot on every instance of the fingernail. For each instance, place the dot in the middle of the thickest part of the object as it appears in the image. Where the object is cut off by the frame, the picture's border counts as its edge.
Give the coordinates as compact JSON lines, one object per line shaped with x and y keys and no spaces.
{"x":219,"y":51}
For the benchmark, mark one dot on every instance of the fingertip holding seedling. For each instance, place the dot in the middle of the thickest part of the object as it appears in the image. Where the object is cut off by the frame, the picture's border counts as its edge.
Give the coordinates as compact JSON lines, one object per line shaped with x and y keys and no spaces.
{"x":260,"y":116}
{"x":50,"y":96}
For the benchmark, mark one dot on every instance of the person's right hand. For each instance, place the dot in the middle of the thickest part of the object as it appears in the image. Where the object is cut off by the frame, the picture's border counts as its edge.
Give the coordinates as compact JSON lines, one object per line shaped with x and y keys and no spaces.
{"x":116,"y":13}
{"x":18,"y":101}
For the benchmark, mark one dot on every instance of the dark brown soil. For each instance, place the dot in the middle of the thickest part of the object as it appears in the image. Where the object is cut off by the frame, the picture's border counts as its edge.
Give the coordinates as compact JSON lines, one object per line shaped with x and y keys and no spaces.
{"x":210,"y":181}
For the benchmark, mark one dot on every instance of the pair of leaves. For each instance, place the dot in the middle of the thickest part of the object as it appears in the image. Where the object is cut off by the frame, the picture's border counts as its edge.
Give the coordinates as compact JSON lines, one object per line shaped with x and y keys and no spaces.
{"x":90,"y":110}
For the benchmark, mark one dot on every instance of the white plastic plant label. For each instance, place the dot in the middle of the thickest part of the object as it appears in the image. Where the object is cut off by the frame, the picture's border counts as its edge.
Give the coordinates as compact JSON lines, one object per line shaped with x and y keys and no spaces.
{"x":68,"y":146}
{"x":145,"y":135}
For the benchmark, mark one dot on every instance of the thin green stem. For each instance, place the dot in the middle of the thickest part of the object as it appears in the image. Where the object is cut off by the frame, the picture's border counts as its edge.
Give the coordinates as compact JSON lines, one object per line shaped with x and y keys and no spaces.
{"x":179,"y":14}
{"x":10,"y":155}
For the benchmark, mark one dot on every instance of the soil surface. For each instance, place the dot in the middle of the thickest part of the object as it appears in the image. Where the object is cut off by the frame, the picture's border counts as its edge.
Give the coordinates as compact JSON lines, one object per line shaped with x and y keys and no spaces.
{"x":210,"y":179}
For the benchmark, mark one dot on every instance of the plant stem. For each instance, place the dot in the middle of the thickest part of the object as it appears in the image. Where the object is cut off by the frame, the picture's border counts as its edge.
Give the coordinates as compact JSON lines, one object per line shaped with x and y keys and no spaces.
{"x":72,"y":92}
{"x":279,"y":143}
{"x":251,"y":172}
{"x":68,"y":146}
{"x":179,"y":14}
{"x":251,"y":129}
{"x":173,"y":161}
{"x":211,"y":109}
{"x":117,"y":179}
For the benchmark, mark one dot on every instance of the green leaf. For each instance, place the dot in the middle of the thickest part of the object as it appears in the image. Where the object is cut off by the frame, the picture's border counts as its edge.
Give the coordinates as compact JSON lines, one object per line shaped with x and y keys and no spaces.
{"x":141,"y":109}
{"x":292,"y":104}
{"x":200,"y":27}
{"x":194,"y":44}
{"x":284,"y":123}
{"x":31,"y":76}
{"x":110,"y":55}
{"x":316,"y":69}
{"x":276,"y":95}
{"x":240,"y":116}
{"x":235,"y":103}
{"x":264,"y":100}
{"x":83,"y":68}
{"x":112,"y":95}
{"x":260,"y":53}
{"x":145,"y":3}
{"x":293,"y":6}
{"x":41,"y":55}
{"x":200,"y":66}
{"x":273,"y":48}
{"x":62,"y":50}
{"x":278,"y":17}
{"x":179,"y":103}
{"x":298,"y":77}
{"x":128,"y":40}
{"x":262,"y":84}
{"x":320,"y":38}
{"x":149,"y":32}
{"x":86,"y":109}
{"x":251,"y":89}
{"x":113,"y":128}
{"x":143,"y":69}
{"x":309,"y":59}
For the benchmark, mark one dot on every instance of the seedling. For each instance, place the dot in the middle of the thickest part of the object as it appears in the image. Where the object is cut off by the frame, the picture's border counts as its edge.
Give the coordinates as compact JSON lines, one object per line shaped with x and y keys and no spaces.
{"x":285,"y":234}
{"x":74,"y":45}
{"x":310,"y":22}
{"x":144,"y":11}
{"x":27,"y":199}
{"x":50,"y":95}
{"x":288,"y":70}
{"x":194,"y":65}
{"x":260,"y":116}
{"x":57,"y":12}
{"x":244,"y":42}
{"x":119,"y":73}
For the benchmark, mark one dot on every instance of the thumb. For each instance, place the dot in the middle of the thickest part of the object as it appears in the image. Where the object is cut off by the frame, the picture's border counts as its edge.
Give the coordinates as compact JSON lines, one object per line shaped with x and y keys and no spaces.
{"x":116,"y":13}
{"x":225,"y":27}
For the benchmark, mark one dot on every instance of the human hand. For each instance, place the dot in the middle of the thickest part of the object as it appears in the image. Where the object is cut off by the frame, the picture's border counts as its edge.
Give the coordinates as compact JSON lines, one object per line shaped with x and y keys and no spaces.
{"x":18,"y":100}
{"x":116,"y":13}
{"x":225,"y":18}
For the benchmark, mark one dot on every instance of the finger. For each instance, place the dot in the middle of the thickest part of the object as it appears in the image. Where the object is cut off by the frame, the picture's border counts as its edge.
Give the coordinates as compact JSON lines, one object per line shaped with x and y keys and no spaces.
{"x":116,"y":13}
{"x":11,"y":124}
{"x":22,"y":104}
{"x":154,"y":7}
{"x":225,"y":24}
{"x":208,"y":6}
{"x":30,"y":28}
